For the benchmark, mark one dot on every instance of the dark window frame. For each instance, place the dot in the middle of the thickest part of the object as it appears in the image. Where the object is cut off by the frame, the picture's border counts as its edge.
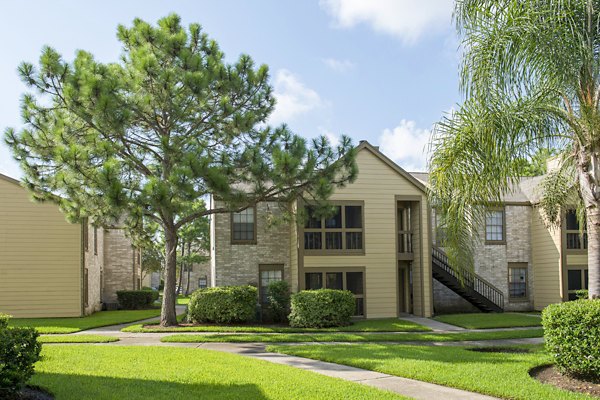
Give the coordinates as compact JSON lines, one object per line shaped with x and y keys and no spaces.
{"x":582,"y":269}
{"x":324,"y":271}
{"x":267,"y":267}
{"x":518,"y":265}
{"x":503,"y":240}
{"x":323,"y":230}
{"x":244,"y":242}
{"x":580,"y":235}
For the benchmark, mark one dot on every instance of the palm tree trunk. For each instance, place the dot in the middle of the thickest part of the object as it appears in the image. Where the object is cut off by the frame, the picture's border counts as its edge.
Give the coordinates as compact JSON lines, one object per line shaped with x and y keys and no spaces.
{"x":589,"y":173}
{"x":168,"y":315}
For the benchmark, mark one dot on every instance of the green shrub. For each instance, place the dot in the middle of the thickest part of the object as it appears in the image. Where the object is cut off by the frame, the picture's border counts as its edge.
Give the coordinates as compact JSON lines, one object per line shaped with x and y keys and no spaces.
{"x":572,"y":336}
{"x":582,"y":294}
{"x":136,"y":299}
{"x":4,"y":320}
{"x":278,"y":295}
{"x":223,"y":305}
{"x":19,"y":351}
{"x":154,"y":294}
{"x":321,"y":308}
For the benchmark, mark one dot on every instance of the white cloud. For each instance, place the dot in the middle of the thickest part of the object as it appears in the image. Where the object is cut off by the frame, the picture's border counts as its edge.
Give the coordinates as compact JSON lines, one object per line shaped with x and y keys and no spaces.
{"x":294,"y":98}
{"x":341,"y":66}
{"x":334,"y":139}
{"x":406,"y":144}
{"x":406,"y":20}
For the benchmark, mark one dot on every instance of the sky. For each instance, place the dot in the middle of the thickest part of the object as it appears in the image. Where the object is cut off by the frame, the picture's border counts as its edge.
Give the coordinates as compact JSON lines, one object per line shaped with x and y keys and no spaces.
{"x":379,"y":70}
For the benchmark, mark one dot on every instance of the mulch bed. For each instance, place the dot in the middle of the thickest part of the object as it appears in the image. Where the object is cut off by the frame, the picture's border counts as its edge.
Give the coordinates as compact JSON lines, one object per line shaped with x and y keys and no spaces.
{"x":492,"y":349}
{"x":551,"y":376}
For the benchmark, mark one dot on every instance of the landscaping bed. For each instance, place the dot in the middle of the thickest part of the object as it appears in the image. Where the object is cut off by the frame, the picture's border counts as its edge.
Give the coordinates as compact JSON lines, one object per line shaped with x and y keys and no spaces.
{"x":371,"y":325}
{"x":491,"y":320}
{"x":550,"y":375}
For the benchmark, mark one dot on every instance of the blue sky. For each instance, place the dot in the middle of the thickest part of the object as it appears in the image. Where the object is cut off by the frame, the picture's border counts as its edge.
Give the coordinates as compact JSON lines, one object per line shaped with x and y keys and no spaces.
{"x":380,"y":70}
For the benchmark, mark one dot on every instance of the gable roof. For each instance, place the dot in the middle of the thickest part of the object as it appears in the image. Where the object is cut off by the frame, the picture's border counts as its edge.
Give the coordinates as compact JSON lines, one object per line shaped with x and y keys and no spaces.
{"x":365,"y":145}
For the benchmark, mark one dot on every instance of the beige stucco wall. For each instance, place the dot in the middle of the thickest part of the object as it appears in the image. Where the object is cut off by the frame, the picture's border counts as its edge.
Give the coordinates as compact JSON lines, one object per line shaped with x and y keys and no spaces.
{"x":40,"y":257}
{"x":377,"y":185}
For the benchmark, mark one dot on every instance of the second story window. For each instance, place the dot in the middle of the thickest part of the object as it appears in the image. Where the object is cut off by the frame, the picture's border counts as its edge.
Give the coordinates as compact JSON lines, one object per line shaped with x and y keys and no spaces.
{"x":243,"y":226}
{"x":576,"y":240}
{"x":341,"y":231}
{"x":494,"y":226}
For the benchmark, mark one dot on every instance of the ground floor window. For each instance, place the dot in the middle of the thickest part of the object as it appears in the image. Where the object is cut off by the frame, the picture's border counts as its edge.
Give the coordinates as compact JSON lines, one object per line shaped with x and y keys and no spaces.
{"x":202,"y":282}
{"x":517,"y":281}
{"x":268,"y":274}
{"x":340,"y":280}
{"x":577,"y":279}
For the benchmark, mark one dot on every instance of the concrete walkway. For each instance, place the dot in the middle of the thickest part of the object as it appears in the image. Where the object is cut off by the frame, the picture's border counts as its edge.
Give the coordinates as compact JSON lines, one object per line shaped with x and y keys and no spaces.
{"x":407,"y":387}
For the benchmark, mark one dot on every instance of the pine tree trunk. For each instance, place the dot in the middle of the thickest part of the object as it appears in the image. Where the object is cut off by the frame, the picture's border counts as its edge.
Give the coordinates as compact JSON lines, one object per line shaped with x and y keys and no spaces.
{"x":189,"y":270}
{"x":168,"y":314}
{"x":180,"y":284}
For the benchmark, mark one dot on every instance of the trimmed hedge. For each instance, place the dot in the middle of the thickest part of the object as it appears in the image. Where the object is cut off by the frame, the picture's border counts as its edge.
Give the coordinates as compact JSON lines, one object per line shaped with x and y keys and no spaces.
{"x":136,"y":299}
{"x":572,"y":336}
{"x":4,"y":320}
{"x":278,"y":294}
{"x":19,"y":351}
{"x":223,"y":305}
{"x":321,"y":308}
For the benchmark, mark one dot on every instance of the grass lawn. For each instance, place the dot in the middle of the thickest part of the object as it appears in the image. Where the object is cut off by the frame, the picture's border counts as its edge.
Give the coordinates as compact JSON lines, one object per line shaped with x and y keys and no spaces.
{"x":183,"y":300}
{"x":82,"y":372}
{"x":497,"y":374}
{"x":353,"y":337}
{"x":70,"y":325}
{"x":77,"y":339}
{"x":369,"y":325}
{"x":490,"y":320}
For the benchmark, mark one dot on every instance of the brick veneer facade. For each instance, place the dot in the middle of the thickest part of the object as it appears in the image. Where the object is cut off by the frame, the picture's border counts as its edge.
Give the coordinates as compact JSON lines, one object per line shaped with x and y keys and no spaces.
{"x":237,"y":264}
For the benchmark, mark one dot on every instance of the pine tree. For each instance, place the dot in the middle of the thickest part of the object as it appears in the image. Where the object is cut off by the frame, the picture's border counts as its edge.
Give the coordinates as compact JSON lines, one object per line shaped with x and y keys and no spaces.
{"x":148,"y":136}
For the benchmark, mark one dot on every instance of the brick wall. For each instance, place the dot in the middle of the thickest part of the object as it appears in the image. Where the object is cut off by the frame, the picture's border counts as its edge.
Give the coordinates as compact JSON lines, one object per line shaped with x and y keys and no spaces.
{"x":491,"y":263}
{"x":121,"y":266}
{"x":237,"y":264}
{"x":94,"y":263}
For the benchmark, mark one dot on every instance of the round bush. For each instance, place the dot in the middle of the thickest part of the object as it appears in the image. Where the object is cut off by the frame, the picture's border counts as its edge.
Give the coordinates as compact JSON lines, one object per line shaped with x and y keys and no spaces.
{"x":321,"y":308}
{"x":278,"y":294}
{"x":223,"y":305}
{"x":572,"y":336}
{"x":136,"y":299}
{"x":19,"y":351}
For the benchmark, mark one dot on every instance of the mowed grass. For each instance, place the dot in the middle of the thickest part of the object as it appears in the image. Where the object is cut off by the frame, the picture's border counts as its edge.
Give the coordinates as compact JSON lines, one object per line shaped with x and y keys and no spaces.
{"x":77,"y":339}
{"x":370,"y":325}
{"x":96,"y":320}
{"x":497,"y":374}
{"x":84,"y":372}
{"x":352,"y":337}
{"x":491,"y":320}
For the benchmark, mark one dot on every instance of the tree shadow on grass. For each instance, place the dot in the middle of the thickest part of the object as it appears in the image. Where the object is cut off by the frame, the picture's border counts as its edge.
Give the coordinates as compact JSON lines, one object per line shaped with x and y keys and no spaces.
{"x":85,"y":387}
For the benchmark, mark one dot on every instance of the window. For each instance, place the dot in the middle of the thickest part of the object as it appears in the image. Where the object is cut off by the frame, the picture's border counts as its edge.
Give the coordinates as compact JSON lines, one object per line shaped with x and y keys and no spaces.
{"x":340,"y":280}
{"x":577,"y":279}
{"x":202,"y":282}
{"x":575,"y":239}
{"x":95,"y":240}
{"x":340,"y":232}
{"x":517,"y":280}
{"x":243,"y":226}
{"x":494,"y":227}
{"x":268,"y":274}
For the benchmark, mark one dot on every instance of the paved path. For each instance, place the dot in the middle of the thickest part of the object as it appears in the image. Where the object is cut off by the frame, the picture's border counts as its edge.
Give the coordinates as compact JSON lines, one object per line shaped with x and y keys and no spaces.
{"x":407,"y":387}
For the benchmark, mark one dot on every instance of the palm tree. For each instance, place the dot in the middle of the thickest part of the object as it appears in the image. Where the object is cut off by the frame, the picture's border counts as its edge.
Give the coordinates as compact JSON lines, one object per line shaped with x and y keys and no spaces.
{"x":530,"y":77}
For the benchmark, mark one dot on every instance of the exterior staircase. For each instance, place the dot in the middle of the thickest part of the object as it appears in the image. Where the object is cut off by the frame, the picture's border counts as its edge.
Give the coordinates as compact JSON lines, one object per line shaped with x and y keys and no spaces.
{"x":467,"y":284}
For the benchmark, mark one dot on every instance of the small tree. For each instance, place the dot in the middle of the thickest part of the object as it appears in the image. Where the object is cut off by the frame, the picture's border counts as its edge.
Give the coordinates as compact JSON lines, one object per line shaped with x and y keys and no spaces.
{"x":149,"y":136}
